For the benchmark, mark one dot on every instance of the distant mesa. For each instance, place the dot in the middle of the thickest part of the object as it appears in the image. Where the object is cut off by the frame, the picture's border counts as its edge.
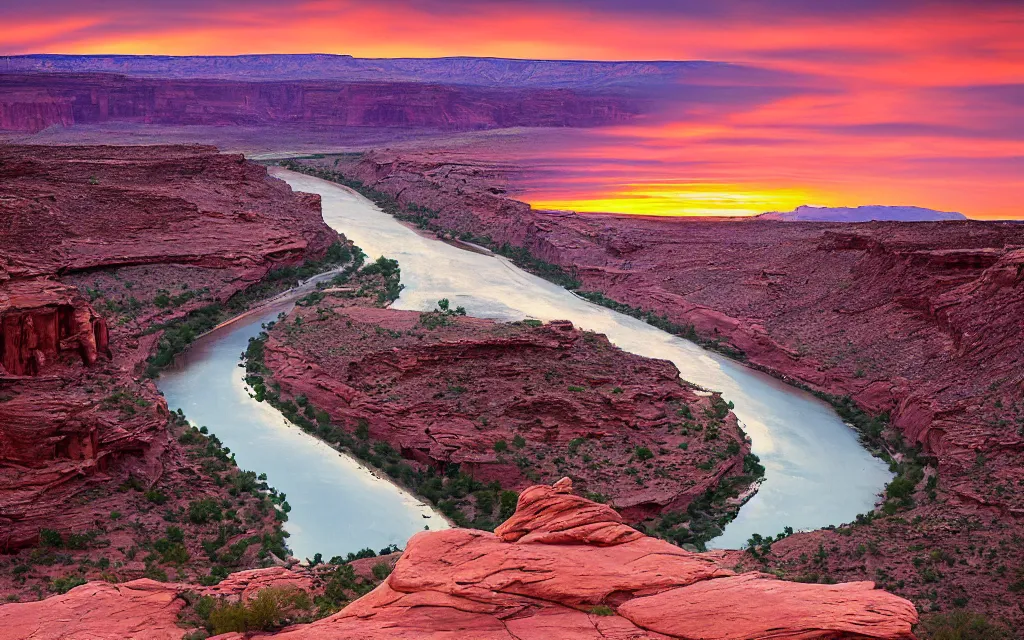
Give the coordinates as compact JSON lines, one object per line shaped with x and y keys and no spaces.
{"x":866,"y":213}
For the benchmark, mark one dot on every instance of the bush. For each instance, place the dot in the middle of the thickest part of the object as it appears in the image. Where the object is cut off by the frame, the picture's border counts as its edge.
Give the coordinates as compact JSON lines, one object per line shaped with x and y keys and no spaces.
{"x":66,"y":583}
{"x":264,"y":612}
{"x":203,"y":511}
{"x":900,"y":488}
{"x":500,"y":446}
{"x":50,"y":538}
{"x":156,"y":496}
{"x":960,"y":625}
{"x":643,"y":454}
{"x":381,"y":570}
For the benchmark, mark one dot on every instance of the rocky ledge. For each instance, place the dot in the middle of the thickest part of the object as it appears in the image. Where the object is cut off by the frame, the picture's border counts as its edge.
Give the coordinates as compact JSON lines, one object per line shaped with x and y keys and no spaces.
{"x":561,"y":566}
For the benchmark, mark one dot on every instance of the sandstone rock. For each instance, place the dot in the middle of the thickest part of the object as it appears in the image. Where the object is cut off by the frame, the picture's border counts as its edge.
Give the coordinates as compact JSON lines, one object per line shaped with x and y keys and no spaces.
{"x":460,"y":583}
{"x":137,"y":610}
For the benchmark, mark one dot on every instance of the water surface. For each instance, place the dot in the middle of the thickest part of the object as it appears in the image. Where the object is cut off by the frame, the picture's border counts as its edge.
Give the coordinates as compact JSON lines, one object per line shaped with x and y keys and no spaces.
{"x":817,"y":473}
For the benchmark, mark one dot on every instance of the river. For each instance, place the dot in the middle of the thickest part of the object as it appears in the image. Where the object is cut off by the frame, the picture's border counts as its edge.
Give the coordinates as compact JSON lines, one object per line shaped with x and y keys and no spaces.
{"x":816,"y":471}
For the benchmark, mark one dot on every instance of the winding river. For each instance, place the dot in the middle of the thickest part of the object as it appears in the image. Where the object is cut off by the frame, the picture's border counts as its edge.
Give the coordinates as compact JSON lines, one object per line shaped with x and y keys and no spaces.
{"x":817,"y":473}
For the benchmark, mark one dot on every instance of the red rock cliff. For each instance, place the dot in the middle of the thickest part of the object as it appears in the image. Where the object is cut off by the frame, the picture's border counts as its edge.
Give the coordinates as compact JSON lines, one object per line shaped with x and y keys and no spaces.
{"x":33,"y":102}
{"x":91,"y":241}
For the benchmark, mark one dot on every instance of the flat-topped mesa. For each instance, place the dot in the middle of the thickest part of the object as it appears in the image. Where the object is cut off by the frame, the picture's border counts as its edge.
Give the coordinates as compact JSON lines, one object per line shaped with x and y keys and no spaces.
{"x":561,"y":566}
{"x":40,"y":320}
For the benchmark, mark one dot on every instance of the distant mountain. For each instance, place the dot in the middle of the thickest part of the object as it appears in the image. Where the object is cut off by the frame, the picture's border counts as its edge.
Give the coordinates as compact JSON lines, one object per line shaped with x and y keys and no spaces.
{"x":488,"y":72}
{"x":866,"y":213}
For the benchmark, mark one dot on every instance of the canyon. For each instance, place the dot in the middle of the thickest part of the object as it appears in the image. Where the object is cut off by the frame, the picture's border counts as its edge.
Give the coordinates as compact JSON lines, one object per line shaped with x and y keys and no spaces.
{"x":916,"y":325}
{"x":114,"y":258}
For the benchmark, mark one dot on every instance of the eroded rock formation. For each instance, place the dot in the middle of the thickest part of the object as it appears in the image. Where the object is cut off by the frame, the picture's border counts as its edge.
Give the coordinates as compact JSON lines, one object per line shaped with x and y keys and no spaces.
{"x":512,"y":403}
{"x":562,"y":566}
{"x":99,"y":248}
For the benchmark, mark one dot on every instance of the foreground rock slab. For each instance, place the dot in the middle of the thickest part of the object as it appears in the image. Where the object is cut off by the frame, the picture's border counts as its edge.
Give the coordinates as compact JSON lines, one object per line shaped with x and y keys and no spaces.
{"x":562,"y":566}
{"x":567,"y":567}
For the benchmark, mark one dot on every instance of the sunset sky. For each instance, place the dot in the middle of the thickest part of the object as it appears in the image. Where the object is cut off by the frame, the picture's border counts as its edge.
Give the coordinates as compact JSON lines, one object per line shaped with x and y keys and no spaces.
{"x":912,"y":102}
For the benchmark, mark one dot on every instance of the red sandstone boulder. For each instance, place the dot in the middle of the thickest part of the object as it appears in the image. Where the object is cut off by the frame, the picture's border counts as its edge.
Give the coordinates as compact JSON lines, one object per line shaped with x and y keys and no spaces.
{"x":547,"y":570}
{"x":562,"y":566}
{"x":137,"y":610}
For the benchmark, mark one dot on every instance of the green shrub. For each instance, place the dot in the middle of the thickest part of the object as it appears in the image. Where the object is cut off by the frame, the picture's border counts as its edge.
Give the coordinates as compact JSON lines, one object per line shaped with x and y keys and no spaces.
{"x":381,"y":570}
{"x":50,"y":538}
{"x":602,"y":610}
{"x":960,"y":625}
{"x":264,"y":612}
{"x":66,"y":583}
{"x":500,"y":446}
{"x":203,"y":511}
{"x":643,"y":454}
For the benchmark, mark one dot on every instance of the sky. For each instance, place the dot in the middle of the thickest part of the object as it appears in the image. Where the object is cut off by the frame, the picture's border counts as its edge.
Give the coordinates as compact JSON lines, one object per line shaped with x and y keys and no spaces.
{"x":903,"y":102}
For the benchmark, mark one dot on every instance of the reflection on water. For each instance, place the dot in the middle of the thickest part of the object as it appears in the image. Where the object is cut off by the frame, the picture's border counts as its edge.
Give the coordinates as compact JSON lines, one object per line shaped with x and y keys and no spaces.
{"x":817,"y":473}
{"x":337,"y":505}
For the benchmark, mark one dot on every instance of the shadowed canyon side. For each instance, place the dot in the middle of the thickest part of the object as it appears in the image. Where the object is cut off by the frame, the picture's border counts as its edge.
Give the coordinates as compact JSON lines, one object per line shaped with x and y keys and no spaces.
{"x":561,"y":565}
{"x":912,"y":331}
{"x":110,"y":256}
{"x":31,"y":103}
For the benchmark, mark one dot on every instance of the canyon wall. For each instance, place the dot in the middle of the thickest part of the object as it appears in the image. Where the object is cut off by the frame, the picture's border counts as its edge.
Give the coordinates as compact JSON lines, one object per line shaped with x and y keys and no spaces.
{"x":100,"y":248}
{"x":34,"y":102}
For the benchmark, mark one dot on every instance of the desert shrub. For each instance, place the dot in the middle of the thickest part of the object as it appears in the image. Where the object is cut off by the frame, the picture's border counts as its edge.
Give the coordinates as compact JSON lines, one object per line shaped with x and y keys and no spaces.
{"x":203,"y":511}
{"x":66,"y":583}
{"x":381,"y":570}
{"x":960,"y":625}
{"x":266,"y":611}
{"x":50,"y":538}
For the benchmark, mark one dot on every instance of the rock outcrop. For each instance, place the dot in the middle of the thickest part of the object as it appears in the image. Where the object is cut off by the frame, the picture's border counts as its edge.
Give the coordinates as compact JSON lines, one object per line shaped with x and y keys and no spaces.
{"x":513,"y":403}
{"x":562,"y":566}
